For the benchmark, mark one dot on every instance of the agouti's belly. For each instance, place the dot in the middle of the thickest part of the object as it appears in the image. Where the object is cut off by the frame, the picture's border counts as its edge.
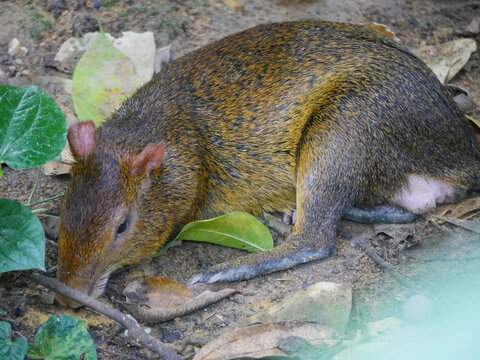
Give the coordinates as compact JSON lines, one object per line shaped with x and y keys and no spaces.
{"x":421,"y":195}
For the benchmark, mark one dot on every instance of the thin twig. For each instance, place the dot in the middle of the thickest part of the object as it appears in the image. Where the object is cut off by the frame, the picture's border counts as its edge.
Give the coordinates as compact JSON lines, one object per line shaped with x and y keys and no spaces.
{"x":34,"y":187}
{"x":39,"y":210}
{"x":134,"y":330}
{"x":49,"y":215}
{"x":45,"y":200}
{"x":362,"y":243}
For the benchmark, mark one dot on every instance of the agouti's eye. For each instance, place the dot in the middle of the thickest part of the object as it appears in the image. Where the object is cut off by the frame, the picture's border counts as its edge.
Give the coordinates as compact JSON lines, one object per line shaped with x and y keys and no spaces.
{"x":122,"y":227}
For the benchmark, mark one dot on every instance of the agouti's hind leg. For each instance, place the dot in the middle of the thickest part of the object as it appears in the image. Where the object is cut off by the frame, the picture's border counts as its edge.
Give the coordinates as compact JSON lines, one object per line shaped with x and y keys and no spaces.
{"x":326,"y":187}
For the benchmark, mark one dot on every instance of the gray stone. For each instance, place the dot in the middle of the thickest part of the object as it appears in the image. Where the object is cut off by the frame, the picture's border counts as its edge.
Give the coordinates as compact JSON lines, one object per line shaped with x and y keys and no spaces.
{"x":464,"y":102}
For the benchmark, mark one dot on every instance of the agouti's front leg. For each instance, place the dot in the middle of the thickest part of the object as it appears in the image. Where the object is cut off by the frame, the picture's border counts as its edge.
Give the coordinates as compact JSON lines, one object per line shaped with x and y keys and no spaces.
{"x":326,"y":187}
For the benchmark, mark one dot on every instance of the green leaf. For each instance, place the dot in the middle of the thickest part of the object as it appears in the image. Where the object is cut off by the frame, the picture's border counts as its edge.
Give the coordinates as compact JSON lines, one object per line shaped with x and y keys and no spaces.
{"x":22,"y":240}
{"x":32,"y":127}
{"x":237,"y":229}
{"x":63,"y":337}
{"x":1,"y":171}
{"x":102,"y":81}
{"x":8,"y":349}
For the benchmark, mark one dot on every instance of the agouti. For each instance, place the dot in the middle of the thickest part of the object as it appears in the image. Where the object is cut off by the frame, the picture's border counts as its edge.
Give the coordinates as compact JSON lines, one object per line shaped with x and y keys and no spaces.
{"x":318,"y":115}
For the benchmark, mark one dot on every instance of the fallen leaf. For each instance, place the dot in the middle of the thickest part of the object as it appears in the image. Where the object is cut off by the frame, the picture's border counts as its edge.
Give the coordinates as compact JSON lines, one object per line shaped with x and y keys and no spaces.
{"x":237,"y":229}
{"x":166,"y":293}
{"x":163,"y":299}
{"x":324,"y":303}
{"x":456,"y":245}
{"x":262,"y":340}
{"x":447,"y":59}
{"x":464,"y":209}
{"x":55,"y":168}
{"x":466,"y":224}
{"x":103,"y":79}
{"x":398,"y":232}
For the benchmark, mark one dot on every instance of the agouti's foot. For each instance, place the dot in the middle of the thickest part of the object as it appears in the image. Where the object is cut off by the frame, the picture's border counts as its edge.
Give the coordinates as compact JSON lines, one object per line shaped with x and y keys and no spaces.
{"x":293,"y":251}
{"x":221,"y":273}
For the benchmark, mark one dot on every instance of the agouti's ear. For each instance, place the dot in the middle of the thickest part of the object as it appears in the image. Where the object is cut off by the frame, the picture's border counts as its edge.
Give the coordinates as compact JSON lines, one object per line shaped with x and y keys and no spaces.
{"x":81,"y":137}
{"x":150,"y":158}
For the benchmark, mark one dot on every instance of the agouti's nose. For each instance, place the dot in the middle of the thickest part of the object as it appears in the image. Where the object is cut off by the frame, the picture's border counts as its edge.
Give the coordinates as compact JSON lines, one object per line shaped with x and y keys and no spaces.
{"x":84,"y":287}
{"x":64,"y":301}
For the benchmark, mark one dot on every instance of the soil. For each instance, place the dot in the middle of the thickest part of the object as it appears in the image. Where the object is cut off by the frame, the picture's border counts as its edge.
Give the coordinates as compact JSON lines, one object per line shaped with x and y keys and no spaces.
{"x":43,"y":25}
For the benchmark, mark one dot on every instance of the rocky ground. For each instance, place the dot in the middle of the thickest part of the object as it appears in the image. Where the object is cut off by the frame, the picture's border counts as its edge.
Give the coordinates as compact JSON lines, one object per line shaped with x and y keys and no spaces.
{"x":435,"y":257}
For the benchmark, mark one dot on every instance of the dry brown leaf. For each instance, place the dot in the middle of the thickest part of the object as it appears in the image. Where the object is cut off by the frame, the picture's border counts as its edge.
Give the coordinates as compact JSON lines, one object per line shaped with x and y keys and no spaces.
{"x":55,"y":168}
{"x":464,"y":209}
{"x":466,"y":224}
{"x":261,"y":340}
{"x":60,"y":167}
{"x":163,"y":299}
{"x":473,"y":120}
{"x":166,"y":293}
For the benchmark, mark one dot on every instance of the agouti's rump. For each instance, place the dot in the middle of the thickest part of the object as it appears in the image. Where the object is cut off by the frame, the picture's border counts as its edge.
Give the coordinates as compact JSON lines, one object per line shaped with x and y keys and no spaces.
{"x":319,"y":115}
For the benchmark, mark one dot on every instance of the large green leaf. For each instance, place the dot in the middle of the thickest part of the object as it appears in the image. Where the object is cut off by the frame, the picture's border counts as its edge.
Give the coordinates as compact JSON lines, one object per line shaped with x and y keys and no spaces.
{"x":63,"y":337}
{"x":237,"y":229}
{"x":32,"y":127}
{"x":11,"y":350}
{"x":22,"y":240}
{"x":103,"y":78}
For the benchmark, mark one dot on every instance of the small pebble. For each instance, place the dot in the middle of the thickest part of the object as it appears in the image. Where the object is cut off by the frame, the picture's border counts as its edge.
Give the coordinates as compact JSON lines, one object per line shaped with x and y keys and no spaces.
{"x":464,"y":102}
{"x":169,"y":335}
{"x":16,"y":49}
{"x":47,"y":297}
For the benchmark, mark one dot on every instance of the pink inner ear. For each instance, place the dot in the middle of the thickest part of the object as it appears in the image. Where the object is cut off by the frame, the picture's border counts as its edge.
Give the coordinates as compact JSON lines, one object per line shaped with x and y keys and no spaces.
{"x":150,"y":158}
{"x":81,"y":137}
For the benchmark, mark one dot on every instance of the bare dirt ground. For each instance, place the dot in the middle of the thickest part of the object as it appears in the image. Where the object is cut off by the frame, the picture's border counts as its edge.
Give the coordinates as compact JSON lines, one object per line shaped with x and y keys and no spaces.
{"x":43,"y":25}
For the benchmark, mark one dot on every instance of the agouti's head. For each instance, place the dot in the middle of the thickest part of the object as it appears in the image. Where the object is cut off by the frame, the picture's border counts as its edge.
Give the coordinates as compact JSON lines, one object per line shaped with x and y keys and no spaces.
{"x":100,"y":223}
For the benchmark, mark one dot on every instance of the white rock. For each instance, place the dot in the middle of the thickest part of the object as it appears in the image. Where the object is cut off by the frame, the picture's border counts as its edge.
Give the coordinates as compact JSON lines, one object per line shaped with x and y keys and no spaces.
{"x":16,"y":49}
{"x":72,"y":50}
{"x":140,"y":49}
{"x":447,"y":59}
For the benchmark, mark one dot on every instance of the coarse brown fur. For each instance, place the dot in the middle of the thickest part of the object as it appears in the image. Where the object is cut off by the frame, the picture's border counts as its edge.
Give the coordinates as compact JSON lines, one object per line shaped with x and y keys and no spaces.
{"x":319,"y":115}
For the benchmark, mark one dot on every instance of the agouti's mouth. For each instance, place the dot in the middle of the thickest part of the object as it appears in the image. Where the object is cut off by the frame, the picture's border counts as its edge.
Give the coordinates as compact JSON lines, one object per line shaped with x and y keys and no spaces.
{"x":89,"y":288}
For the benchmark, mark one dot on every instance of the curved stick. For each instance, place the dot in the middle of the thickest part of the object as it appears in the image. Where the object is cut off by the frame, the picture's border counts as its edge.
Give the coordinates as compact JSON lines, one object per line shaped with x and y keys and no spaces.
{"x":134,"y":330}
